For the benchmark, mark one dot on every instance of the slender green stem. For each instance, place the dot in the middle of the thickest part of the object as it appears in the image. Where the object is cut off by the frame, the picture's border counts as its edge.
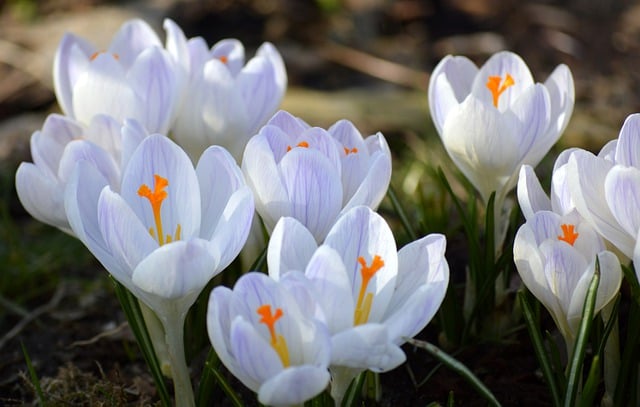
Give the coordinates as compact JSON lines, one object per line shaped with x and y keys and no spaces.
{"x":174,"y":333}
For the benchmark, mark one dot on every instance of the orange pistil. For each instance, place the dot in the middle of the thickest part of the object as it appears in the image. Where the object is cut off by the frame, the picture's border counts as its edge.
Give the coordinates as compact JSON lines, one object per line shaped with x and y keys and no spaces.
{"x":350,"y":151}
{"x":303,"y":144}
{"x":278,"y":342}
{"x":568,"y":234}
{"x":363,"y":306}
{"x":497,"y":86}
{"x":155,"y":198}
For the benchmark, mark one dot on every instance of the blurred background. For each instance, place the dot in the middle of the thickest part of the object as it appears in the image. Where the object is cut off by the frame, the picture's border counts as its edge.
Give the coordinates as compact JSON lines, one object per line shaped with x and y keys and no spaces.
{"x":364,"y":60}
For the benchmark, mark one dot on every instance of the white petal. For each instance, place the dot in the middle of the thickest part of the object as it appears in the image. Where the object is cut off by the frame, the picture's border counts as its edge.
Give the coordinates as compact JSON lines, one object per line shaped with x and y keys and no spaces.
{"x":562,"y":96}
{"x":72,"y":57}
{"x":290,"y":247}
{"x":41,"y":195}
{"x":533,"y":111}
{"x":622,"y":192}
{"x":531,"y":196}
{"x":373,"y":188}
{"x":132,"y":39}
{"x":366,"y":346}
{"x":501,"y":64}
{"x":628,"y":147}
{"x":294,"y":386}
{"x":260,"y":91}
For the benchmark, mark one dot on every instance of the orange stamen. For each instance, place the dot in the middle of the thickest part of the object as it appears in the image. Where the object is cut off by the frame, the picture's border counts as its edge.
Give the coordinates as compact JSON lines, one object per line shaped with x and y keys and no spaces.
{"x":223,"y":59}
{"x":95,"y":55}
{"x":497,"y":86}
{"x":363,"y":306}
{"x":155,"y":198}
{"x":568,"y":234}
{"x":303,"y":144}
{"x":352,"y":151}
{"x":277,"y":341}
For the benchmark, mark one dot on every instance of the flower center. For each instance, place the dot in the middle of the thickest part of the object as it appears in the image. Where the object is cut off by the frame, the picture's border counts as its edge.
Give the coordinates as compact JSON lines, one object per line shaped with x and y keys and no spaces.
{"x":155,"y":198}
{"x":278,"y":343}
{"x":363,"y":306}
{"x":303,"y":144}
{"x":568,"y":234}
{"x":348,"y":151}
{"x":497,"y":86}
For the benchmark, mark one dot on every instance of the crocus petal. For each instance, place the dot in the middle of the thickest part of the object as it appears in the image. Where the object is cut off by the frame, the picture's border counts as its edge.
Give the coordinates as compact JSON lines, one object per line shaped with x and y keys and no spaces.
{"x":176,"y":270}
{"x":41,"y":195}
{"x":47,"y":145}
{"x":622,"y":192}
{"x":562,"y":96}
{"x":270,"y":52}
{"x":83,"y":150}
{"x":628,"y":147}
{"x":560,"y":195}
{"x":366,"y":346}
{"x":373,"y":188}
{"x":314,"y":189}
{"x":288,"y":123}
{"x":259,"y":91}
{"x":532,"y":109}
{"x":289,"y":233}
{"x":294,"y":386}
{"x":531,"y":196}
{"x":449,"y":85}
{"x":72,"y":56}
{"x":232,"y":51}
{"x":131,"y":39}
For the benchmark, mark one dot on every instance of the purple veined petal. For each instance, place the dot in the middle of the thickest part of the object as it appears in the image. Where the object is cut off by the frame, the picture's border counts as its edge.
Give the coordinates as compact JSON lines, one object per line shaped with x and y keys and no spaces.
{"x":234,"y":225}
{"x":354,"y":157}
{"x":373,"y":187}
{"x":481,"y":141}
{"x":347,"y":134}
{"x":230,"y":52}
{"x":270,"y":52}
{"x":313,"y":188}
{"x":530,"y":264}
{"x":219,"y":177}
{"x":622,"y":193}
{"x":47,"y":145}
{"x":294,"y":385}
{"x":608,"y":287}
{"x":288,"y":123}
{"x":420,"y":262}
{"x":586,"y":178}
{"x":608,"y":151}
{"x":176,"y":45}
{"x":628,"y":147}
{"x":132,"y":134}
{"x":81,"y":205}
{"x":332,"y":288}
{"x":562,"y":96}
{"x":532,"y":111}
{"x":589,"y":242}
{"x":449,"y":85}
{"x":260,"y":92}
{"x":362,"y":233}
{"x":125,"y":237}
{"x":501,"y":64}
{"x":180,"y":211}
{"x":177,"y":270}
{"x":189,"y":128}
{"x":219,"y":320}
{"x":198,"y":56}
{"x":291,"y":246}
{"x":41,"y":195}
{"x":560,"y":193}
{"x":254,"y":355}
{"x":133,"y":37}
{"x":105,"y":132}
{"x":545,"y":225}
{"x":105,"y":77}
{"x":78,"y":150}
{"x":263,"y":177}
{"x":72,"y":57}
{"x":153,"y":77}
{"x":278,"y":141}
{"x":366,"y":346}
{"x":531,"y":196}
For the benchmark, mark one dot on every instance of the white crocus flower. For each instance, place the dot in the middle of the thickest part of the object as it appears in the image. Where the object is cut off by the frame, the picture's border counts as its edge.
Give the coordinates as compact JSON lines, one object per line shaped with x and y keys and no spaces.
{"x":268,"y":341}
{"x":370,"y":296}
{"x":55,"y":150}
{"x":313,"y":174}
{"x":494,"y":119}
{"x":531,"y":195}
{"x":133,"y":78}
{"x":167,"y":231}
{"x":606,"y":187}
{"x":227,"y":99}
{"x":556,"y":257}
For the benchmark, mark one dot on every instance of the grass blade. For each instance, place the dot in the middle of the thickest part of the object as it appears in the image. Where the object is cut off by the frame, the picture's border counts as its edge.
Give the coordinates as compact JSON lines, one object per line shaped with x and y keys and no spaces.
{"x":33,"y":375}
{"x":591,"y":385}
{"x":538,"y":347}
{"x":458,"y":367}
{"x":397,"y":206}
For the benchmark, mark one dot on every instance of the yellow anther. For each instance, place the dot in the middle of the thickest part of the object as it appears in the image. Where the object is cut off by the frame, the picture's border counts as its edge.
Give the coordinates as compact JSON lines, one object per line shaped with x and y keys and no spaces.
{"x":497,"y":86}
{"x":363,"y":306}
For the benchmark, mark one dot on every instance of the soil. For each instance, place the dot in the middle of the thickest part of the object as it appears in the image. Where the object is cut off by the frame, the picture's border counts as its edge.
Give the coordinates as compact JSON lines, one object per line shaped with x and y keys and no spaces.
{"x":71,"y":325}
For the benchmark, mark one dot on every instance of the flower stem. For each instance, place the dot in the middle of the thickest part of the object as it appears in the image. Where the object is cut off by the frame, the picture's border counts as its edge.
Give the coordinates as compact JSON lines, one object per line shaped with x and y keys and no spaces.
{"x":174,"y":334}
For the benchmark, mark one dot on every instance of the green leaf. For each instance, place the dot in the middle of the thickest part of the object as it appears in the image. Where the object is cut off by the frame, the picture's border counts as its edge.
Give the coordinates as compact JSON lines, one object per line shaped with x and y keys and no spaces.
{"x":34,"y":377}
{"x":577,"y":359}
{"x":591,"y":385}
{"x":397,"y":206}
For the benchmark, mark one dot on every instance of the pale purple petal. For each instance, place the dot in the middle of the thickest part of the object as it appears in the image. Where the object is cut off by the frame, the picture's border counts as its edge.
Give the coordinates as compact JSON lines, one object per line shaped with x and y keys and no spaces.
{"x":132,"y":39}
{"x":291,"y":246}
{"x":72,"y":57}
{"x":366,"y":346}
{"x":628,"y":147}
{"x":531,"y":196}
{"x":294,"y":385}
{"x":501,"y":64}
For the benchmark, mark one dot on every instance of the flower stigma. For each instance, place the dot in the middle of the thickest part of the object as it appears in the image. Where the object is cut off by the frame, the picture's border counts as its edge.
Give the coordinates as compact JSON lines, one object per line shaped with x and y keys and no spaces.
{"x":568,"y":234}
{"x":348,"y":151}
{"x":363,"y":306}
{"x":95,"y":55}
{"x":155,"y":198}
{"x":278,"y":343}
{"x":303,"y":144}
{"x":497,"y":86}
